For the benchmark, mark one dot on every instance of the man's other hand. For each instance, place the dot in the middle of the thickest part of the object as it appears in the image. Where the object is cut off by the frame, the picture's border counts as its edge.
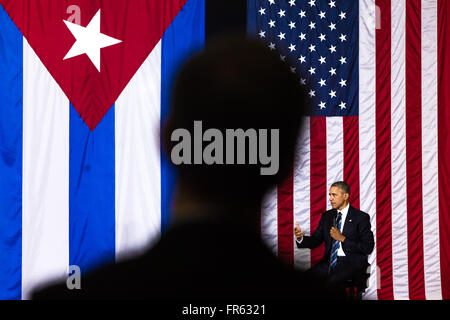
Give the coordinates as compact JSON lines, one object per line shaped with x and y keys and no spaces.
{"x":298,"y":232}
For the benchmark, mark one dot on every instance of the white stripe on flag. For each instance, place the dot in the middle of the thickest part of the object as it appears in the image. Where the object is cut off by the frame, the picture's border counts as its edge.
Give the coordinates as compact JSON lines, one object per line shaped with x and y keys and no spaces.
{"x":269,"y":220}
{"x":138,"y":171}
{"x":45,"y":195}
{"x":335,"y":152}
{"x":430,"y":184}
{"x":398,"y":109}
{"x":302,"y":196}
{"x":367,"y":142}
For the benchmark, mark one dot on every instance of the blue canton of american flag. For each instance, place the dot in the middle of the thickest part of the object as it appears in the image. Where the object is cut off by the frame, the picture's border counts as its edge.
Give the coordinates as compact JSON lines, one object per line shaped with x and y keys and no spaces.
{"x":319,"y":38}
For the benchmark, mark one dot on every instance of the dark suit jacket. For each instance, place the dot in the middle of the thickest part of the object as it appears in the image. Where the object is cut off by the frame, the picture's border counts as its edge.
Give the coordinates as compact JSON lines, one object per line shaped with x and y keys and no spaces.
{"x":359,"y":241}
{"x":217,"y":259}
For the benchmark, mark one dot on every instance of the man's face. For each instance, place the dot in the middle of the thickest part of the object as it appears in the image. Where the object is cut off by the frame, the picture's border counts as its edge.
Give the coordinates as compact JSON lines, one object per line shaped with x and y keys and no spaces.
{"x":338,"y":198}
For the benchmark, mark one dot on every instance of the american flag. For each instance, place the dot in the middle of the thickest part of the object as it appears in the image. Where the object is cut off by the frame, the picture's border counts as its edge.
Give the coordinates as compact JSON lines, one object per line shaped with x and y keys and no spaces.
{"x":376,"y":73}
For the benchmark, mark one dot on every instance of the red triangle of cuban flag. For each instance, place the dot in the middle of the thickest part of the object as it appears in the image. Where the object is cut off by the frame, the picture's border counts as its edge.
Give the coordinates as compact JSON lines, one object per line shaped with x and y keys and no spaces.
{"x":92,"y":48}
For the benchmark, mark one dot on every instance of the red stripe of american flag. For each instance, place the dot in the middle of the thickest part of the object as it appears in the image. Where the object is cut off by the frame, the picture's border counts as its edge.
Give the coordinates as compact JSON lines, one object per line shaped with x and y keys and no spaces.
{"x":416,"y":277}
{"x":318,"y":178}
{"x":351,"y":158}
{"x":383,"y":152}
{"x":444,"y":142}
{"x":285,"y":198}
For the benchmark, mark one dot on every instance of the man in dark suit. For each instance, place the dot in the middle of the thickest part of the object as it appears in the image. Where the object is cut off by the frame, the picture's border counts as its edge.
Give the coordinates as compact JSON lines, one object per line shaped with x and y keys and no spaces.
{"x":213,"y":249}
{"x":348,"y":240}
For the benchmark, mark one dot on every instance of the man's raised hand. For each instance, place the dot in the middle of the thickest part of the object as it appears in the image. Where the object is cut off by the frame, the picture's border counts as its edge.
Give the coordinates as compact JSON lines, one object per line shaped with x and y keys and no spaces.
{"x":336,"y":234}
{"x":298,"y":232}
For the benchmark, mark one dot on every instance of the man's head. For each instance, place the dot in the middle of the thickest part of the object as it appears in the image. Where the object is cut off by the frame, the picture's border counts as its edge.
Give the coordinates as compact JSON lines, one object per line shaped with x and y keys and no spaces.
{"x":235,"y":83}
{"x":339,"y":194}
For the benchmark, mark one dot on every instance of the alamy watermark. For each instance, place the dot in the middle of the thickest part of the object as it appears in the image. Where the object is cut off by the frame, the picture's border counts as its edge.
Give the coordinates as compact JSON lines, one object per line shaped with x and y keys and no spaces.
{"x":75,"y":14}
{"x":371,"y":18}
{"x":74,"y":277}
{"x":219,"y":143}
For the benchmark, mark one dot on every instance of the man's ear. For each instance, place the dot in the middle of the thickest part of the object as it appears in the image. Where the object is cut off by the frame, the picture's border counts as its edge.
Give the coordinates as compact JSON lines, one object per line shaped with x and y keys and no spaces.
{"x":346,"y":196}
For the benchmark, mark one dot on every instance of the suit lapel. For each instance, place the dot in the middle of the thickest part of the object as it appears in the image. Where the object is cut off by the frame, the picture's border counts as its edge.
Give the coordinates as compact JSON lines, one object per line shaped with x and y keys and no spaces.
{"x":349,"y":220}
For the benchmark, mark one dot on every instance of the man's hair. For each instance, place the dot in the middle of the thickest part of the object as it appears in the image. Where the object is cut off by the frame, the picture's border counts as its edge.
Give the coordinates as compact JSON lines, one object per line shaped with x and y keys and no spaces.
{"x":342,"y":185}
{"x":237,"y":83}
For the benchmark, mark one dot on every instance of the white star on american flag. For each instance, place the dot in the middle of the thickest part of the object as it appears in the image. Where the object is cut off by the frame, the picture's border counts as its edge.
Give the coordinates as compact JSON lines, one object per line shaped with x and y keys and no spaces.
{"x":322,"y":105}
{"x":332,"y":94}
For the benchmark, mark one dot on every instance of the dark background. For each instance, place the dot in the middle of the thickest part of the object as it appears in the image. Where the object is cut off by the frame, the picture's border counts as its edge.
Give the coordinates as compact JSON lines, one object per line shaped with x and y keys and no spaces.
{"x":225,"y":16}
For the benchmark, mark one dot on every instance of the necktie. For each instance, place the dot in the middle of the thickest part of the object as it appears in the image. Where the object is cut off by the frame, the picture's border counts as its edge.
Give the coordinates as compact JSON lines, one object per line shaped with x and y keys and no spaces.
{"x":334,"y":250}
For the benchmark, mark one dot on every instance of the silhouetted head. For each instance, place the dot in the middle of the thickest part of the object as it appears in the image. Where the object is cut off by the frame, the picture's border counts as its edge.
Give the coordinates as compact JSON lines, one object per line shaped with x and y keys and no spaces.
{"x":235,"y":83}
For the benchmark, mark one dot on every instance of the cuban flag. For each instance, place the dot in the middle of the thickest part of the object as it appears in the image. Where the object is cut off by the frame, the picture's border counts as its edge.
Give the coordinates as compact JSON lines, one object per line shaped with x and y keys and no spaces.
{"x":84,"y":87}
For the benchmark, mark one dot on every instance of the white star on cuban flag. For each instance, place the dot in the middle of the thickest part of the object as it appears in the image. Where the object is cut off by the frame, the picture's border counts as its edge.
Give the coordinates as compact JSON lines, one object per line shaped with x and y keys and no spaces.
{"x":89,"y":40}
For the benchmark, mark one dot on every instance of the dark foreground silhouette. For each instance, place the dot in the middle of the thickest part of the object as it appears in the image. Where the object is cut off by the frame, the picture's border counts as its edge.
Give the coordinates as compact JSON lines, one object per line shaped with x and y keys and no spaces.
{"x":213,"y":249}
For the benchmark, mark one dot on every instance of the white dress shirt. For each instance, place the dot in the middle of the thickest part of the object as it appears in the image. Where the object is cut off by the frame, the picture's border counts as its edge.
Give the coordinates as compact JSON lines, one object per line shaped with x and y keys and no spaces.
{"x":344,"y":216}
{"x":344,"y":213}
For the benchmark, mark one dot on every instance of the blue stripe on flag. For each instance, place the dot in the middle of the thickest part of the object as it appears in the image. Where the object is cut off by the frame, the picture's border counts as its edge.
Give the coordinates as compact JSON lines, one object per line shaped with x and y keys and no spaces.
{"x":91,"y":192}
{"x":184,"y":36}
{"x":11,"y":111}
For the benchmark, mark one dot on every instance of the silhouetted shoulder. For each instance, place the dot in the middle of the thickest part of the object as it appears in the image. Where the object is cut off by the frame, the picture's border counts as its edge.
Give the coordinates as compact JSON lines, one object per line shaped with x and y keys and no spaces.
{"x":220,"y":260}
